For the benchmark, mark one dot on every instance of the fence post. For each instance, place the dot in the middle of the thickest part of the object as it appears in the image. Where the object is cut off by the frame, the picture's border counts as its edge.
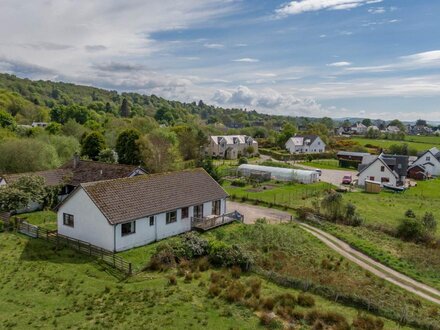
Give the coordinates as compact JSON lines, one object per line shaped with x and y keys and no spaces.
{"x":129,"y":268}
{"x":38,"y":229}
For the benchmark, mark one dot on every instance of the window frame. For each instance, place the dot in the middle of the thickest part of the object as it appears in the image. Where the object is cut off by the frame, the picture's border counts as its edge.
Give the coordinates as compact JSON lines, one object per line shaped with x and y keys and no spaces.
{"x":169,"y":219}
{"x":196,"y":214}
{"x":215,"y":204}
{"x":382,"y":168}
{"x":151,"y":220}
{"x":69,"y":220}
{"x":132,"y":228}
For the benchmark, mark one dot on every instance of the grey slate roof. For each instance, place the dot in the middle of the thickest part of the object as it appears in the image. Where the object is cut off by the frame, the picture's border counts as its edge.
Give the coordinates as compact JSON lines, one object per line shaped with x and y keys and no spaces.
{"x":128,"y":199}
{"x":51,"y":177}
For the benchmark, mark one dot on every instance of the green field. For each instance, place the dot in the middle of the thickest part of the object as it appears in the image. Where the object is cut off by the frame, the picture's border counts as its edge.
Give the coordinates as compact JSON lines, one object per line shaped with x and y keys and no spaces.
{"x":420,"y":143}
{"x":43,"y":219}
{"x":327,"y":164}
{"x":44,"y":288}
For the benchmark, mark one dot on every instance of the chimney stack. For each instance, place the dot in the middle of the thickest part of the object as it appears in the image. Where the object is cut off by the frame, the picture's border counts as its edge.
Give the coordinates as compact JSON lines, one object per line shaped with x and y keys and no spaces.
{"x":75,"y":160}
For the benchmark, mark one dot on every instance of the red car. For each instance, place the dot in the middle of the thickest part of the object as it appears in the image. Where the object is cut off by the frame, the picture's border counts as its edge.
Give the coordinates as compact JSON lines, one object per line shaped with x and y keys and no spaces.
{"x":347,"y":179}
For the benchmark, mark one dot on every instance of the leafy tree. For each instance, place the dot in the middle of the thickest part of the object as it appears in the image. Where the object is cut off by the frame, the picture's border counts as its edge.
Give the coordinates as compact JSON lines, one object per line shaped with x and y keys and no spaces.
{"x":421,"y":122}
{"x":125,"y":109}
{"x":399,"y":124}
{"x":429,"y":223}
{"x":27,"y":155}
{"x":72,"y":128}
{"x":20,"y":193}
{"x":373,"y":133}
{"x":127,"y":147}
{"x":108,"y":156}
{"x":54,"y":128}
{"x":332,"y":205}
{"x":160,"y":150}
{"x":6,"y":120}
{"x":367,"y":122}
{"x":189,"y":141}
{"x":208,"y":166}
{"x":410,"y":229}
{"x":92,"y":145}
{"x":286,"y":133}
{"x":328,"y":122}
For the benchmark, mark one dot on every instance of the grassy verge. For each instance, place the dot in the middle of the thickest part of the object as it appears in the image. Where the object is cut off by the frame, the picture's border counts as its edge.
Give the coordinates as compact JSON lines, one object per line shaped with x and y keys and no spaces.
{"x":43,"y":219}
{"x":413,"y":142}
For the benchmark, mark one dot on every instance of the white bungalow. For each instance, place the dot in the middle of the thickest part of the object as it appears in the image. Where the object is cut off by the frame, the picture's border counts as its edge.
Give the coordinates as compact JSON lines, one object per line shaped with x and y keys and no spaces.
{"x":120,"y":214}
{"x":378,"y":171}
{"x":430,"y":162}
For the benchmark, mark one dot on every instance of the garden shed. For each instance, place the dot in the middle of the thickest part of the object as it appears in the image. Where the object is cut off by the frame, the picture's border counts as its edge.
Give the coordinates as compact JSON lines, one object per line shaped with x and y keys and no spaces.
{"x":279,"y":173}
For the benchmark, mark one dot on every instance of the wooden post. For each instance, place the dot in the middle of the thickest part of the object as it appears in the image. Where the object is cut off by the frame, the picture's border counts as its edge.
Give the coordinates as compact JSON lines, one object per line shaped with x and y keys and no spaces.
{"x":129,"y":268}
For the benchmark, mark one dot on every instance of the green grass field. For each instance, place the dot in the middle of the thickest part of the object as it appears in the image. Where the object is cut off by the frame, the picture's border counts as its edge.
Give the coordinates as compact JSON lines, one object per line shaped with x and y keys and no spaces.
{"x":420,"y":143}
{"x":44,"y":219}
{"x":326,"y":164}
{"x":44,"y":288}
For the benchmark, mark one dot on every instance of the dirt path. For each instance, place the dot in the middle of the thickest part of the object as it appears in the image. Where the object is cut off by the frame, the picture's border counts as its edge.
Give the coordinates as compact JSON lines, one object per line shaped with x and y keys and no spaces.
{"x":253,"y":212}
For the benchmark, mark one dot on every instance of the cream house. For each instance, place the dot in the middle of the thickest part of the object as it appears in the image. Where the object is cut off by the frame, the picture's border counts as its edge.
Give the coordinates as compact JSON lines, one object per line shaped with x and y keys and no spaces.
{"x":231,"y":146}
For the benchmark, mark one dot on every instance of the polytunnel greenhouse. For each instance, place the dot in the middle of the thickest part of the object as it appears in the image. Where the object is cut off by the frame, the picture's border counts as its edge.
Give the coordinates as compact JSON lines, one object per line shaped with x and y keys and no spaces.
{"x":279,"y":173}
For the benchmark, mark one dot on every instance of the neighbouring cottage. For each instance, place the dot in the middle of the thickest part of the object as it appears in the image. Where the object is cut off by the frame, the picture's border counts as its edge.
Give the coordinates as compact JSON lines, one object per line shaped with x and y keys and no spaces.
{"x":305,"y":144}
{"x":352,"y":159}
{"x":386,"y":169}
{"x":124,"y":213}
{"x":231,"y":146}
{"x":426,"y":165}
{"x":358,"y":128}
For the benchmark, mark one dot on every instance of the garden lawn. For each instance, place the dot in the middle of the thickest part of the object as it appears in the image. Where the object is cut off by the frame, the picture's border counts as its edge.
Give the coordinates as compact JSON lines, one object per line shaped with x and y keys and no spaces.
{"x":284,"y":194}
{"x":412,"y":141}
{"x":43,"y":219}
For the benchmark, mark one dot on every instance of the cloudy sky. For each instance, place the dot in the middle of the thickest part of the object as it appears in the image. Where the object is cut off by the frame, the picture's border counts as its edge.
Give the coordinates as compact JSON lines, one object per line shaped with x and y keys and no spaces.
{"x":338,"y":58}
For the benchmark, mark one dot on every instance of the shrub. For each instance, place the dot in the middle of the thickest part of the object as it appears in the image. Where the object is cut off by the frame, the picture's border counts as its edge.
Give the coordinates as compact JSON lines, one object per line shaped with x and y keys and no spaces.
{"x":410,"y":229}
{"x":306,"y":300}
{"x":192,"y":246}
{"x":163,"y":258}
{"x":224,"y":255}
{"x":268,"y":303}
{"x":235,"y":272}
{"x":188,"y":277}
{"x":366,"y":322}
{"x":238,"y":183}
{"x":172,"y":280}
{"x":324,"y":320}
{"x":242,"y":160}
{"x":235,"y":292}
{"x":203,"y":264}
{"x":410,"y":213}
{"x":286,"y":300}
{"x":255,"y":285}
{"x":214,"y":290}
{"x":429,"y":222}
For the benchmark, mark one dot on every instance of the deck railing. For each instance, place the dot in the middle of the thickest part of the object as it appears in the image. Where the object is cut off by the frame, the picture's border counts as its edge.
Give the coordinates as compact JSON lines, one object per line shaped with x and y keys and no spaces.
{"x":207,"y":223}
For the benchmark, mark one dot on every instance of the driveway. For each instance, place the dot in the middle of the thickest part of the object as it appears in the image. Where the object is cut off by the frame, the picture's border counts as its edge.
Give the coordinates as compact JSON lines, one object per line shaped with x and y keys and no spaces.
{"x":253,"y":212}
{"x":331,"y":176}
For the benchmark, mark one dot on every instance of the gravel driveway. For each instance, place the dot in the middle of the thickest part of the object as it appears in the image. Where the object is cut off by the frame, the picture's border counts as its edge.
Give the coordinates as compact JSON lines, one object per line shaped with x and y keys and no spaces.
{"x":252,"y":213}
{"x":332,"y":176}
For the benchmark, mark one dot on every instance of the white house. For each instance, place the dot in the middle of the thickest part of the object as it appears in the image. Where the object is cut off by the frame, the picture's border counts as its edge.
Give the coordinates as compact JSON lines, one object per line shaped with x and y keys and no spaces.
{"x":305,"y":144}
{"x":41,"y":124}
{"x":231,"y":146}
{"x":393,"y":129}
{"x":430,"y":162}
{"x":378,"y":171}
{"x":120,"y":214}
{"x":358,"y":128}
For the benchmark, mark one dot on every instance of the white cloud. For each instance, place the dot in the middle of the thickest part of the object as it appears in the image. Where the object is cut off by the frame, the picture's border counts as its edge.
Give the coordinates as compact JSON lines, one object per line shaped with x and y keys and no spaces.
{"x":377,"y":10}
{"x":214,"y":46}
{"x":269,"y":101}
{"x":339,"y":64}
{"x":302,"y":6}
{"x":246,"y":60}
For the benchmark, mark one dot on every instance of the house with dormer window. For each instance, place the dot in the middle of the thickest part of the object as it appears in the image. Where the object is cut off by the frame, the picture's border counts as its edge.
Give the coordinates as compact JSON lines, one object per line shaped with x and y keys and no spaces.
{"x":231,"y":146}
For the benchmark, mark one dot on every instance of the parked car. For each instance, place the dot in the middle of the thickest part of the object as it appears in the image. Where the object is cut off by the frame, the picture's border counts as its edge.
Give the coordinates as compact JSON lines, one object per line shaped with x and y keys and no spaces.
{"x":347,"y":179}
{"x":317,"y":170}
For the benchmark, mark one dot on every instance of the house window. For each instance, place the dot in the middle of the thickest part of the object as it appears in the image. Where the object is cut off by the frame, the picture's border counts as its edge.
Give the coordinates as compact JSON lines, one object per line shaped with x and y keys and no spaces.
{"x":185,"y":213}
{"x":68,"y":220}
{"x":128,"y":228}
{"x":382,"y":168}
{"x":171,"y":217}
{"x":216,"y":206}
{"x":428,"y":158}
{"x":198,"y":211}
{"x":371,"y":178}
{"x":152,"y":221}
{"x":384,"y":180}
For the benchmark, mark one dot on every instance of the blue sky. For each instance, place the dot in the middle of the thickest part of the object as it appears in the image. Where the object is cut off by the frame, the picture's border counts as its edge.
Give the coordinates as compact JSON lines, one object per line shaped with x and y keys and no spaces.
{"x":338,"y":58}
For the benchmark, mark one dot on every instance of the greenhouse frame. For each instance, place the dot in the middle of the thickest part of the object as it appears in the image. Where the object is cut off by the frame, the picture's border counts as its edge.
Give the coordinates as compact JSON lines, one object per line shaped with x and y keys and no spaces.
{"x":279,"y":173}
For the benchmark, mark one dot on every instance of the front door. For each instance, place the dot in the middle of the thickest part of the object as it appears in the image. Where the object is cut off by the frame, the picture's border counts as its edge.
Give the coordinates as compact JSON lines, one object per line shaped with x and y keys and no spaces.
{"x":198,"y":211}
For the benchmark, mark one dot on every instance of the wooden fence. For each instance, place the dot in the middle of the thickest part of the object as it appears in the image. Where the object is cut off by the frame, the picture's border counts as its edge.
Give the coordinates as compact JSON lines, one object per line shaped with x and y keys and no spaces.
{"x":62,"y":241}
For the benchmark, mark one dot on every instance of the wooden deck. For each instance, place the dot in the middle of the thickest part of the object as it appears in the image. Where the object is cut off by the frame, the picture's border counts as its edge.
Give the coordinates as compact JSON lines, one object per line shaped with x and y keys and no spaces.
{"x":208,"y":223}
